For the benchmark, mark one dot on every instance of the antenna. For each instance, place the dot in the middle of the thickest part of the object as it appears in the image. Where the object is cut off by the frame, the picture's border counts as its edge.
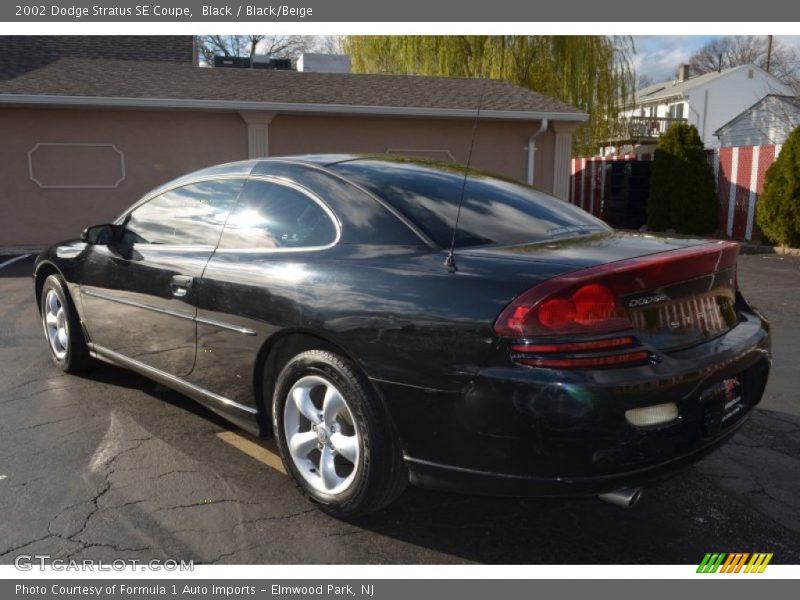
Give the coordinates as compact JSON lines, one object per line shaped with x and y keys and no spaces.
{"x":450,"y":260}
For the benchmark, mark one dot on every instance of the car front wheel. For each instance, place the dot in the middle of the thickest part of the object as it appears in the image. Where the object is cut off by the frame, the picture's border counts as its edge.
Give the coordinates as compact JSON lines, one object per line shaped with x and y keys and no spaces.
{"x":62,"y":328}
{"x":334,"y":436}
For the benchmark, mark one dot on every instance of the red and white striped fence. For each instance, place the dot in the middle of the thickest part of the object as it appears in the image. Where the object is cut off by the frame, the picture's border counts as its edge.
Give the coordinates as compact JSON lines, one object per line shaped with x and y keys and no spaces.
{"x":739,"y":173}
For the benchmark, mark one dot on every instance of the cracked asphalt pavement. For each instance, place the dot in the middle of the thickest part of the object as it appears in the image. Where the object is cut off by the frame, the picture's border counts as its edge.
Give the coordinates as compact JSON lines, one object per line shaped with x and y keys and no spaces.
{"x":110,"y":465}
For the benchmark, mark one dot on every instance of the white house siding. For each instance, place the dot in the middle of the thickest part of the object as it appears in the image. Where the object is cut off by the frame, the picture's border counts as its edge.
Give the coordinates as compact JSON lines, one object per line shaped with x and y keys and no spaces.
{"x":713,"y":103}
{"x":727,"y":97}
{"x":769,"y":122}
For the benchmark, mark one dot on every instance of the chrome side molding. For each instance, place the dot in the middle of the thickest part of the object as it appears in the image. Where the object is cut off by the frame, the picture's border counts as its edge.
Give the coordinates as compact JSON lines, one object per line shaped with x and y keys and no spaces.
{"x":172,"y":313}
{"x":223,"y":325}
{"x":126,"y":302}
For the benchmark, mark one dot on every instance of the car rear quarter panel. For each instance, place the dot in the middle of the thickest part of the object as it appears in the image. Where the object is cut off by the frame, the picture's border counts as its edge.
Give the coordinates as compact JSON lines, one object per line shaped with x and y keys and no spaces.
{"x":406,"y":318}
{"x":395,"y":310}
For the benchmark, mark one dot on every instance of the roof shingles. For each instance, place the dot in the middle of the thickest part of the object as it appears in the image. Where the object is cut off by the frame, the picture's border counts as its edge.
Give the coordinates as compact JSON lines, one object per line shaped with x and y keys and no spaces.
{"x":668,"y":89}
{"x":20,"y":54}
{"x":114,"y":78}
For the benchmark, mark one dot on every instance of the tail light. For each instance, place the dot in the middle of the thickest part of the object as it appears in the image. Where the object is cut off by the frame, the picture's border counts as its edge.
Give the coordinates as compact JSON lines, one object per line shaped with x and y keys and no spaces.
{"x":587,"y":303}
{"x":590,"y":307}
{"x":593,"y":354}
{"x":588,"y":362}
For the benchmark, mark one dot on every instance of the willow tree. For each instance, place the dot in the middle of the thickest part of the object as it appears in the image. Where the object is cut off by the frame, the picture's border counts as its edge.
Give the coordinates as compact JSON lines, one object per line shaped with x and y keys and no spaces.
{"x":592,"y":73}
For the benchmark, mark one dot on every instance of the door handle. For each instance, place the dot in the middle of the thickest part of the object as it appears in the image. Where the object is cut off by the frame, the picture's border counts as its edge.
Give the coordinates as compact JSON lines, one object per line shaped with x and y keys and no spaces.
{"x":180,"y":285}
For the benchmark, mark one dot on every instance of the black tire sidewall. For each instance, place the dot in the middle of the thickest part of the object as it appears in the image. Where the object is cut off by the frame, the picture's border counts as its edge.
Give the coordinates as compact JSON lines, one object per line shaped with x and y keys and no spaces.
{"x":77,"y":355}
{"x":324,"y":364}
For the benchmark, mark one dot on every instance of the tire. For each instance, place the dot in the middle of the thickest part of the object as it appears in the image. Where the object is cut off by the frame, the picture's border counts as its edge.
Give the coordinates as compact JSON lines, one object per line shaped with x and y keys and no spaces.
{"x":62,"y":329}
{"x":350,"y":470}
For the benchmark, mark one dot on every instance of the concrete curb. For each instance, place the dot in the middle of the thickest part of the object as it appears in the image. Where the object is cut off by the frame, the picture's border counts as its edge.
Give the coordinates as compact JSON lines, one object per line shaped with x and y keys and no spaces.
{"x":757,"y":249}
{"x":12,"y":250}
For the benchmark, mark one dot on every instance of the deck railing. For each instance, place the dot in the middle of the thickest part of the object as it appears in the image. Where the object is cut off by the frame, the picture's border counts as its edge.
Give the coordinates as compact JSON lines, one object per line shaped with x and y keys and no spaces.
{"x":643,"y":128}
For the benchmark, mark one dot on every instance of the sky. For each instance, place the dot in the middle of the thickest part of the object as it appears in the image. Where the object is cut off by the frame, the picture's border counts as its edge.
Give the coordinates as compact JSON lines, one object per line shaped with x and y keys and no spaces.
{"x":659,"y":56}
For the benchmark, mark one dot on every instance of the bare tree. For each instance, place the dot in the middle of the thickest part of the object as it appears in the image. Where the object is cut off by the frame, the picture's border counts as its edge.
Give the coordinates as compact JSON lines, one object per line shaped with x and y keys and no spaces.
{"x":330,"y":44}
{"x":279,"y":46}
{"x":643,"y":80}
{"x":732,"y":51}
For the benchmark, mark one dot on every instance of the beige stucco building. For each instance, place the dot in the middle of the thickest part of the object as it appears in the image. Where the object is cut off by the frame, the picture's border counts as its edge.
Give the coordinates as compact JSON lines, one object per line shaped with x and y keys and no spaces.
{"x":90,"y":124}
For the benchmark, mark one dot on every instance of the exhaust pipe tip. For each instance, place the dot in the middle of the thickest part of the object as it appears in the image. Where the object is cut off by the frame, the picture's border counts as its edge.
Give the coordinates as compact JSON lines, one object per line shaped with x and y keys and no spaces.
{"x":625,"y":497}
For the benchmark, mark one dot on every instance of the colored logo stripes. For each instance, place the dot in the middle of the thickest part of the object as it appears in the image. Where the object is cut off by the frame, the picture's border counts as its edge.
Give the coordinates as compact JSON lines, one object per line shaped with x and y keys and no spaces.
{"x":734,"y":562}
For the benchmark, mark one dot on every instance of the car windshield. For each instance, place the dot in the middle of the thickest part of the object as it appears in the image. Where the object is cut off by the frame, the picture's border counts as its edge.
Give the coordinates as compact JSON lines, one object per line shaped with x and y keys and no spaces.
{"x":495,"y":211}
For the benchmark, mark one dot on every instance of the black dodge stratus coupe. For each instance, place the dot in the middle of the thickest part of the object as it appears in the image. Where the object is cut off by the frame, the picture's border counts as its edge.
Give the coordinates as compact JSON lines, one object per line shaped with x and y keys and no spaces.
{"x":315,"y":298}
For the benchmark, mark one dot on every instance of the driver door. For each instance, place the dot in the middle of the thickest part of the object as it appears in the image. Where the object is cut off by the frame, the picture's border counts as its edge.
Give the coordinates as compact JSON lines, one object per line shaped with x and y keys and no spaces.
{"x":139,"y":292}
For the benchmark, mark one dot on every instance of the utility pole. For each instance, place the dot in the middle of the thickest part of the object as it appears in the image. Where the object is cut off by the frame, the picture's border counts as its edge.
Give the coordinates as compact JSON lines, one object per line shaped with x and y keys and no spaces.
{"x":769,"y":51}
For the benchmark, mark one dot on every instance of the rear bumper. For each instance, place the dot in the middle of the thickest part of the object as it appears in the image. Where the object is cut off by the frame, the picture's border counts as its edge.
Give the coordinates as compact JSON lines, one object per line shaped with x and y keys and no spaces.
{"x":449,"y":478}
{"x":527,"y":431}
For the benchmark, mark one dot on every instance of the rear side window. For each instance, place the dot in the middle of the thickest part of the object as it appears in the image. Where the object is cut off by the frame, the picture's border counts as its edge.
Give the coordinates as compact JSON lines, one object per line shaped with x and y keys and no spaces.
{"x":495,"y":211}
{"x":190,"y":215}
{"x":271,"y":215}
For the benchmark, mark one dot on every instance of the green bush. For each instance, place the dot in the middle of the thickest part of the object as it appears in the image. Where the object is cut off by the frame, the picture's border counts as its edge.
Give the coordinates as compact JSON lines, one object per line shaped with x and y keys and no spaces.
{"x":778,"y":213}
{"x":682,"y":194}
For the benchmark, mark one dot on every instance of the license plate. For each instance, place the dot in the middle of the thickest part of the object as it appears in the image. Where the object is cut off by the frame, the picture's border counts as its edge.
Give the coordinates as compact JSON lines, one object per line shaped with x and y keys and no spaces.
{"x":722,"y":405}
{"x":732,"y":399}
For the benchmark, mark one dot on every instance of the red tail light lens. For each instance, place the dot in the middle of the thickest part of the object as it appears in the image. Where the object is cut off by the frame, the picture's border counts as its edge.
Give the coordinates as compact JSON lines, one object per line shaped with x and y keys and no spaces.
{"x":558,"y":354}
{"x":586,"y":301}
{"x":591,"y":307}
{"x":587,"y":361}
{"x":594,"y":345}
{"x":594,"y":303}
{"x":556,"y":313}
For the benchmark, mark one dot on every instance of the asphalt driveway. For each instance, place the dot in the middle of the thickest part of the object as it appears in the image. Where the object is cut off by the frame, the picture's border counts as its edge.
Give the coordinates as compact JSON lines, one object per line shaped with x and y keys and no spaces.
{"x":110,"y":465}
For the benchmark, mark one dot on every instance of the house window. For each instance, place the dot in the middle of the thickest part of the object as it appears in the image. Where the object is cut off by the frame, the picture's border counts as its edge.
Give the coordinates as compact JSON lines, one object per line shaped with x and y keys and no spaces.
{"x":676,"y":111}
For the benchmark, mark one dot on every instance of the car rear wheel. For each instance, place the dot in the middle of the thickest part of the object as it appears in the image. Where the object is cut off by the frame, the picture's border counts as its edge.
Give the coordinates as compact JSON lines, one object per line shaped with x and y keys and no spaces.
{"x":334,"y":436}
{"x":62,"y":328}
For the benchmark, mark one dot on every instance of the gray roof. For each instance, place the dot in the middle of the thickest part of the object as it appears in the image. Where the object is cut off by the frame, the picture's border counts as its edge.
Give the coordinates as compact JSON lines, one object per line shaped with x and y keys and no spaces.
{"x":793,"y":101}
{"x":20,"y":54}
{"x":182,"y":84}
{"x":668,"y":89}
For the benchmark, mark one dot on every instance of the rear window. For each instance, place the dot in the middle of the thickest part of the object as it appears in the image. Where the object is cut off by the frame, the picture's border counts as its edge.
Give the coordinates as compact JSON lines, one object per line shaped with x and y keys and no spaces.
{"x":495,"y":211}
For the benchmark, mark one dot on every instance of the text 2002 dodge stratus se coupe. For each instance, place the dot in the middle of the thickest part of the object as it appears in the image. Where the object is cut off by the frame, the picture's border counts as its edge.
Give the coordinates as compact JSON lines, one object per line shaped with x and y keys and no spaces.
{"x":315,"y":298}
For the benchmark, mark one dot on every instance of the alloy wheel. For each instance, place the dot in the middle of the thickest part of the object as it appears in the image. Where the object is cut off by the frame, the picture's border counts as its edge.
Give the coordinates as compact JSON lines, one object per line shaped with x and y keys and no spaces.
{"x":321,"y":435}
{"x":54,"y":318}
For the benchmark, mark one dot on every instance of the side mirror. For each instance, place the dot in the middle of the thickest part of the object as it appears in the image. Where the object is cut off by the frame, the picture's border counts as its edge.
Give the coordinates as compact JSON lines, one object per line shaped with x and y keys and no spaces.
{"x":100,"y":235}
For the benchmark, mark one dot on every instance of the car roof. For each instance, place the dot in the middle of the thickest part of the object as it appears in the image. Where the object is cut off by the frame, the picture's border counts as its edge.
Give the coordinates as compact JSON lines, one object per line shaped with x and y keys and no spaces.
{"x":244,"y":168}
